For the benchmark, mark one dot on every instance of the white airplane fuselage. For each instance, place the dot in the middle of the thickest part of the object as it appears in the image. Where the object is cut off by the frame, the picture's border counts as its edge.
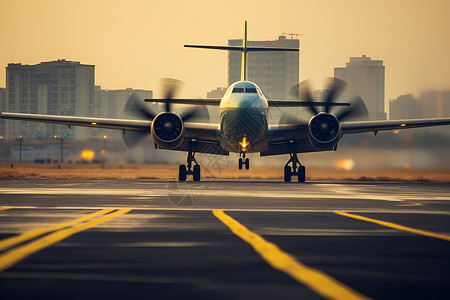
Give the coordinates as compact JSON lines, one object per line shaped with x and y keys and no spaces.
{"x":244,"y":114}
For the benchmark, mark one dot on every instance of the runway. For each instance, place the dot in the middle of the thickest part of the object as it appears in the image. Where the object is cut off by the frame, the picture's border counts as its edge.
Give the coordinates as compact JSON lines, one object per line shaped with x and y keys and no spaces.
{"x":224,"y":240}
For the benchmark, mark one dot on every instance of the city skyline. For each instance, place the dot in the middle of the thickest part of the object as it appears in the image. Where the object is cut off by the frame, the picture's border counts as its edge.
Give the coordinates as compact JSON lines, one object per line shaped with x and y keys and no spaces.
{"x":135,"y":44}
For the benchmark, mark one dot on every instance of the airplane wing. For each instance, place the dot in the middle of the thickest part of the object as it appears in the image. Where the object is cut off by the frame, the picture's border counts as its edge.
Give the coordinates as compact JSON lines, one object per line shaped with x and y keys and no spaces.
{"x":204,"y":133}
{"x":375,"y":126}
{"x":193,"y":130}
{"x":118,"y":124}
{"x":283,"y":134}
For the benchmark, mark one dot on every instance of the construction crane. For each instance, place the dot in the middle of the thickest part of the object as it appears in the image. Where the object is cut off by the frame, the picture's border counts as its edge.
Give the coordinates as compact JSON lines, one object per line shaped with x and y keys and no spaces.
{"x":292,"y":34}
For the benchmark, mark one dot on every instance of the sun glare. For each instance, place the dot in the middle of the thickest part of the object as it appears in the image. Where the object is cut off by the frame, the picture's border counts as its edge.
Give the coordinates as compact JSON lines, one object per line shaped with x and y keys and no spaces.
{"x":344,"y":164}
{"x":87,"y":155}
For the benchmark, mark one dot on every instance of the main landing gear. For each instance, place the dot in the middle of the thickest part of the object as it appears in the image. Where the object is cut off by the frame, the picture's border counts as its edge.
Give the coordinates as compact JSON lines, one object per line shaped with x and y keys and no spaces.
{"x":244,"y":161}
{"x":183,"y":171}
{"x":289,"y":171}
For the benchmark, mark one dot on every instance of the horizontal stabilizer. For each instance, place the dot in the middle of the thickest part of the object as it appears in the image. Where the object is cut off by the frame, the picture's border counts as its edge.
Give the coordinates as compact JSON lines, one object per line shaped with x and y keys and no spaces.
{"x":208,"y":101}
{"x":239,"y":48}
{"x":272,"y":103}
{"x":297,"y":103}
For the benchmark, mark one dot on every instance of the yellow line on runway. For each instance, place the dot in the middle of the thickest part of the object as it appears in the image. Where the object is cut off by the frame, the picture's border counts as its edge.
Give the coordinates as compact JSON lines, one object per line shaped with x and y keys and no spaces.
{"x":316,"y":280}
{"x":4,"y":208}
{"x":395,"y":226}
{"x":9,"y":242}
{"x":14,"y":256}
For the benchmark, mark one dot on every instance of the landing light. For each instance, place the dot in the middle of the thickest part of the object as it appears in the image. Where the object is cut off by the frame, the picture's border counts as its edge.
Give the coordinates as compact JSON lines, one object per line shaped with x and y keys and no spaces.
{"x":244,"y":144}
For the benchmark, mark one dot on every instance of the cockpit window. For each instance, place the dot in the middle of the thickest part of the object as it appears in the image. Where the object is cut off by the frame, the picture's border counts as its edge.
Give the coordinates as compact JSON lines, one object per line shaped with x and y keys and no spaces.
{"x":247,"y":90}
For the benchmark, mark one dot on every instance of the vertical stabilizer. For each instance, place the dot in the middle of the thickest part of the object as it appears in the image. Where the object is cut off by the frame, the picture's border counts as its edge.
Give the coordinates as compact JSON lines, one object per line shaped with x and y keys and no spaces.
{"x":244,"y":49}
{"x":244,"y":54}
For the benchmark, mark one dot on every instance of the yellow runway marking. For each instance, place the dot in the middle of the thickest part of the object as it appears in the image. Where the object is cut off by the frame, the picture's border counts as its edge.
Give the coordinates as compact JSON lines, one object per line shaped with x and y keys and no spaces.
{"x":396,"y":226}
{"x":14,"y":240}
{"x":316,"y":280}
{"x":15,"y":255}
{"x":4,"y":208}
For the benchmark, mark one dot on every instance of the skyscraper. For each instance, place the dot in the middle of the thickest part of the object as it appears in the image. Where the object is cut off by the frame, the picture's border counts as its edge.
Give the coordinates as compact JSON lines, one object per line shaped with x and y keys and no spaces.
{"x":2,"y":108}
{"x":404,"y":107}
{"x":366,"y":79}
{"x":57,"y":87}
{"x":435,"y":103}
{"x":274,"y":72}
{"x":111,"y":103}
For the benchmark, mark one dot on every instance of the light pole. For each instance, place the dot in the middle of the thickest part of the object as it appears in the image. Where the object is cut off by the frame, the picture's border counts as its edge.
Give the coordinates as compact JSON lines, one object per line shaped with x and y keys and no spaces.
{"x":20,"y":148}
{"x":61,"y":140}
{"x":104,"y":152}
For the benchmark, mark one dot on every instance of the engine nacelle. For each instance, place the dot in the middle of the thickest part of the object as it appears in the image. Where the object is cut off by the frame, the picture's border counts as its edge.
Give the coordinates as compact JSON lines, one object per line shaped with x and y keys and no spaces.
{"x":324,"y":131}
{"x":167,"y":130}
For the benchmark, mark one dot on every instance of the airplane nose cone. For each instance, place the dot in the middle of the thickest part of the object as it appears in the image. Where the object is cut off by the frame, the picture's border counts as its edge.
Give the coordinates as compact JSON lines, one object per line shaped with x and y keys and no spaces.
{"x":249,"y":102}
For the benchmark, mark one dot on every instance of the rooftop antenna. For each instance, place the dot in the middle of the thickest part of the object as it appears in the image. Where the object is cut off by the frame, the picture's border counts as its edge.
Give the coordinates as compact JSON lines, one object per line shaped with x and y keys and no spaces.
{"x":292,"y":34}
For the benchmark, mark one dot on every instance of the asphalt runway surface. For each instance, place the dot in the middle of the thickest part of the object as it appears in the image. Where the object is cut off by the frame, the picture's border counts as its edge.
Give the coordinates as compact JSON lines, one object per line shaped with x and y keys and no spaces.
{"x":224,"y":240}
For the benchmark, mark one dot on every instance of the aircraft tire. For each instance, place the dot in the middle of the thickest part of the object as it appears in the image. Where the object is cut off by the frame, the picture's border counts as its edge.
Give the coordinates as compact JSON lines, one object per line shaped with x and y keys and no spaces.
{"x":301,"y":174}
{"x":247,"y":164}
{"x":240,"y":163}
{"x":196,"y":172}
{"x":287,"y":174}
{"x":182,"y":173}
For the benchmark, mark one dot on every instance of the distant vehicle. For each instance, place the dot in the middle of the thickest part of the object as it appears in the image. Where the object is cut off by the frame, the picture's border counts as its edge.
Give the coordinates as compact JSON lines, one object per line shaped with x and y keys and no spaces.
{"x":244,"y":126}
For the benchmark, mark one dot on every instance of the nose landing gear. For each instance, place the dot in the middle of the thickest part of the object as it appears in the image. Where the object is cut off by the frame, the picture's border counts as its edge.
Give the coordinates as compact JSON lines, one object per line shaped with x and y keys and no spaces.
{"x":244,"y":161}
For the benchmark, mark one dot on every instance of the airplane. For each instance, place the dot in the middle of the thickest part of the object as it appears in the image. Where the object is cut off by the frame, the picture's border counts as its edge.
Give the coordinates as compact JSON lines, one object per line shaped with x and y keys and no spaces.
{"x":244,"y":122}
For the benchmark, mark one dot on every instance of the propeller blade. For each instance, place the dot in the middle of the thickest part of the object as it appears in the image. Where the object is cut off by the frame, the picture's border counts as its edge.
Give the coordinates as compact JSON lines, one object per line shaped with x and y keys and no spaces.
{"x":335,"y":86}
{"x":170,"y":87}
{"x":302,"y":92}
{"x":198,"y":114}
{"x":135,"y":107}
{"x":356,"y":112}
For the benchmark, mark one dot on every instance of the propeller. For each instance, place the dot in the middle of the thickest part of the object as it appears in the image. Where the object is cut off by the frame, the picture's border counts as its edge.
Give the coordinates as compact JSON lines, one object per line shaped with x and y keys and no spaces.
{"x":136,"y":108}
{"x":170,"y":87}
{"x":336,"y":89}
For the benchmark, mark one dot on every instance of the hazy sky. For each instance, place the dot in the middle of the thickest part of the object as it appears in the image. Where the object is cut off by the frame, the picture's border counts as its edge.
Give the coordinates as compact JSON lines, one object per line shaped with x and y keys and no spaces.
{"x":133,"y":43}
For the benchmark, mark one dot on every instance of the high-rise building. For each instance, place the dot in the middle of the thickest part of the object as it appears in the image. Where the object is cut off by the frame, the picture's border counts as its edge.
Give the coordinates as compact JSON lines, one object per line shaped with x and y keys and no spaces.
{"x":57,"y":88}
{"x":2,"y":108}
{"x":274,"y":72}
{"x":366,"y":79}
{"x":435,"y":103}
{"x":404,"y":107}
{"x":111,"y":103}
{"x":217,"y":93}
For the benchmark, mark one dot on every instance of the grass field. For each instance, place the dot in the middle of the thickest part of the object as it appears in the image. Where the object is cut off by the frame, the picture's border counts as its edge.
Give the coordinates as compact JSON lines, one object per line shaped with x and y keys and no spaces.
{"x":30,"y":171}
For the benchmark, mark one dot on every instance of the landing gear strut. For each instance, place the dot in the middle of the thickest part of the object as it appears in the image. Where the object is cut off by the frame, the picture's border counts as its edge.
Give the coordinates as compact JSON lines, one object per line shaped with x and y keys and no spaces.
{"x":195,"y":171}
{"x":289,"y":171}
{"x":244,"y":161}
